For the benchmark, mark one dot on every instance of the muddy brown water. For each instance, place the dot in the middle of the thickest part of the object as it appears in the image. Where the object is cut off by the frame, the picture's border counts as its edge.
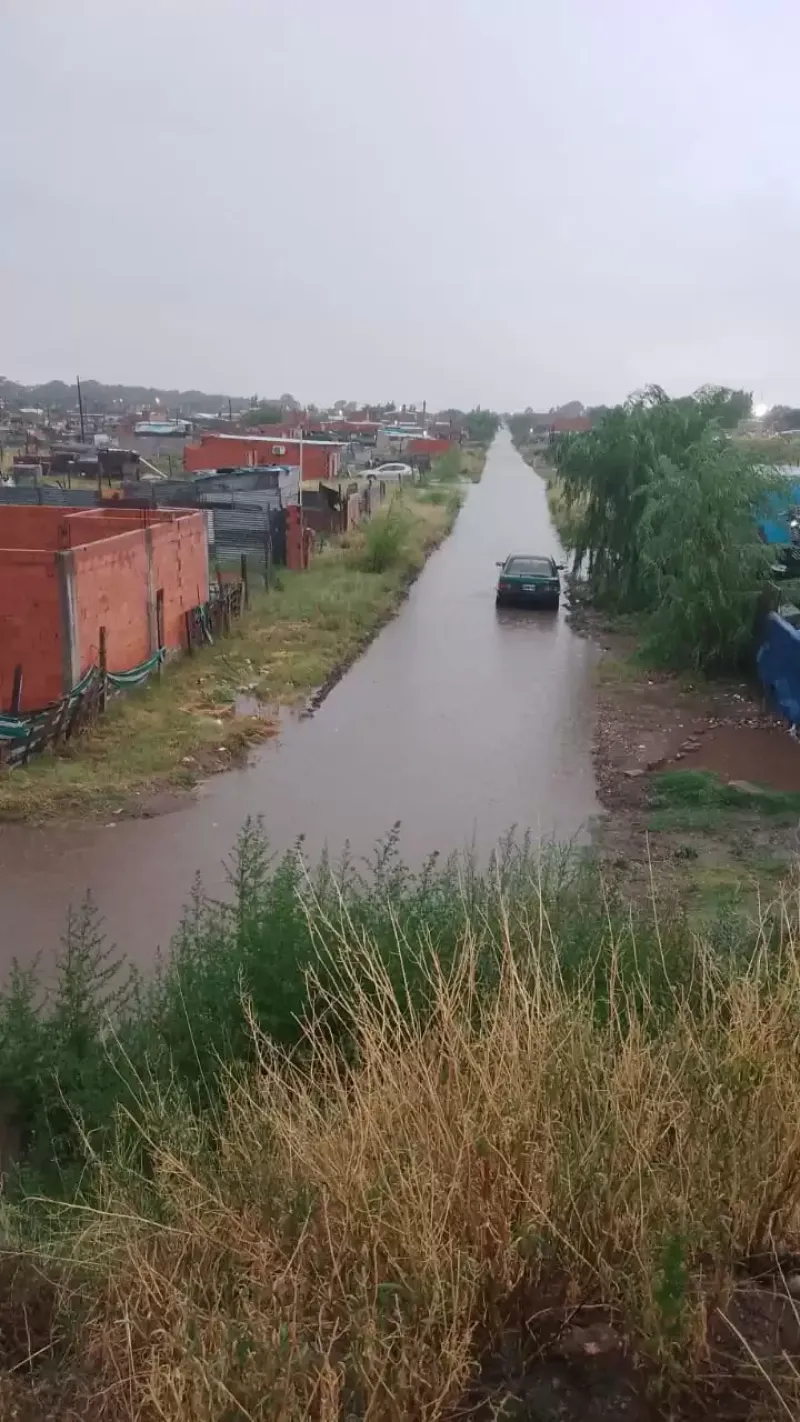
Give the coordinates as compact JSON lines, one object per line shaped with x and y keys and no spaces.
{"x":459,"y":721}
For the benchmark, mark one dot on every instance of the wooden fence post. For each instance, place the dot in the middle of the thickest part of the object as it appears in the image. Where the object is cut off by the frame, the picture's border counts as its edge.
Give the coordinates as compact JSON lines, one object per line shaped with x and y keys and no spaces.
{"x":160,"y":625}
{"x":267,"y":559}
{"x":16,"y":692}
{"x":103,"y":655}
{"x":245,"y":581}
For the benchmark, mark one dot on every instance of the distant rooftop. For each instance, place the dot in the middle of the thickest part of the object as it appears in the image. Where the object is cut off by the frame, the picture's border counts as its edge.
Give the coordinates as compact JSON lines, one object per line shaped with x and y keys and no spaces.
{"x":273,"y":439}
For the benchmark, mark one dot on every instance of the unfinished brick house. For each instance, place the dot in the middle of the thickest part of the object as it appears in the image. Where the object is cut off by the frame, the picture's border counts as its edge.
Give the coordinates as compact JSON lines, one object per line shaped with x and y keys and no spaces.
{"x":65,"y":573}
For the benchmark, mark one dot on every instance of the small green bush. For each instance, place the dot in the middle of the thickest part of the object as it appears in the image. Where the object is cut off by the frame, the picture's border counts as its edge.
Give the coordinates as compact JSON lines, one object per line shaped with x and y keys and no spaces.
{"x":447,"y":468}
{"x":384,"y":539}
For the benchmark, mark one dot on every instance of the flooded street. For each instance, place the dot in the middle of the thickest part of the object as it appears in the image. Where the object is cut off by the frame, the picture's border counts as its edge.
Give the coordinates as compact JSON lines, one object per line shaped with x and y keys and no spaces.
{"x":459,"y":721}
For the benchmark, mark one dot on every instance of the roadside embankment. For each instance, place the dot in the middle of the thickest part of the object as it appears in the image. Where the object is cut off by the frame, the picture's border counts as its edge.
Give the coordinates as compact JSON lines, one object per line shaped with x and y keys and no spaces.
{"x":700,"y":781}
{"x":536,"y":456}
{"x":473,"y":459}
{"x":208,"y":709}
{"x":698,"y":776}
{"x":461,"y":462}
{"x":412,"y":1144}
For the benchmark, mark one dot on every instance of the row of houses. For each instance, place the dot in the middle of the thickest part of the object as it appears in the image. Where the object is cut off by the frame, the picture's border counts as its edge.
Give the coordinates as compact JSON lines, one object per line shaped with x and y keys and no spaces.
{"x":87,"y":581}
{"x":319,"y":453}
{"x":106,"y":570}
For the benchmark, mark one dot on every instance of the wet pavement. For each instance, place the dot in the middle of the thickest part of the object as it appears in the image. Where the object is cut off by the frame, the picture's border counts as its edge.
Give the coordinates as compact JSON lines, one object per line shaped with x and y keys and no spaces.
{"x":460,"y":721}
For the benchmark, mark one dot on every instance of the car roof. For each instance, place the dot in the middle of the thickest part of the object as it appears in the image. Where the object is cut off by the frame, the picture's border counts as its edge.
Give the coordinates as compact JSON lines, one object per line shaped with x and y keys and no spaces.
{"x":544,"y":557}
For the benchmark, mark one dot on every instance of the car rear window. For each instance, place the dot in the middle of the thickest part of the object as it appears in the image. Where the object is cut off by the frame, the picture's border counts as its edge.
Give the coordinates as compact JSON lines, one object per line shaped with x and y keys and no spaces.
{"x":530,"y":567}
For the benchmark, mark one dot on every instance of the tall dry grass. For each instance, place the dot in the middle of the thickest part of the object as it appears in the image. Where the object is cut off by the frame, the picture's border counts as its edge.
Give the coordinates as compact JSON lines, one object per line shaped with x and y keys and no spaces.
{"x":349,"y":1237}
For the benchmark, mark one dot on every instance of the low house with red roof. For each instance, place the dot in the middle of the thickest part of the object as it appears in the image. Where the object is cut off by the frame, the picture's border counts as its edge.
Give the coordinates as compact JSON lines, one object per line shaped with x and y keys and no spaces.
{"x":570,"y":424}
{"x":319,"y":458}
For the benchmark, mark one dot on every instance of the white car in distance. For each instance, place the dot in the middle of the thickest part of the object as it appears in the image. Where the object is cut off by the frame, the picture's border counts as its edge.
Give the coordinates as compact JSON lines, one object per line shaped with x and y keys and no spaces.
{"x":393,"y":471}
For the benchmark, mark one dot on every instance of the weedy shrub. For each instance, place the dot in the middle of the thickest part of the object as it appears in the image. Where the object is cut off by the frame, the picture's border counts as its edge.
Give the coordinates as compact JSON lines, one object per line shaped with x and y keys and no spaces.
{"x":447,"y":468}
{"x":79,"y":1057}
{"x":350,"y":1230}
{"x":384,"y":538}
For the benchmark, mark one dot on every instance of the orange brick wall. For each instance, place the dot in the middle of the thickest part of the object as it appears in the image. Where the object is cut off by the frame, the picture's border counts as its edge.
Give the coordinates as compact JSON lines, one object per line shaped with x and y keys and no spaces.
{"x":86,"y":528}
{"x":320,"y":461}
{"x":213,"y":453}
{"x":99,"y":523}
{"x":112,"y":588}
{"x":24,"y":526}
{"x":30,"y":627}
{"x":111,"y":592}
{"x":115,"y":565}
{"x":180,"y":567}
{"x":431,"y":447}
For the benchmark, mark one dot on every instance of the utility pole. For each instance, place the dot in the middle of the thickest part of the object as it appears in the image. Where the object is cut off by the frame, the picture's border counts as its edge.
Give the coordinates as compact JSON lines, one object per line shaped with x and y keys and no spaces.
{"x":300,"y":489}
{"x":80,"y":407}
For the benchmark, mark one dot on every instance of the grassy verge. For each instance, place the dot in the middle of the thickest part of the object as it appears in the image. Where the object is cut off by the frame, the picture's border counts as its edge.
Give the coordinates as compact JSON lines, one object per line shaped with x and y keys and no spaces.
{"x":367,"y":1133}
{"x":535,"y":456}
{"x":473,"y":459}
{"x":292,"y":640}
{"x":781,"y":449}
{"x":461,"y":462}
{"x":699,"y":799}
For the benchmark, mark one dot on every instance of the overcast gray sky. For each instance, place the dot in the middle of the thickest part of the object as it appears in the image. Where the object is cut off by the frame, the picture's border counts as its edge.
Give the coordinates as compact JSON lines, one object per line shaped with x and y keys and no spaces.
{"x":508,"y":202}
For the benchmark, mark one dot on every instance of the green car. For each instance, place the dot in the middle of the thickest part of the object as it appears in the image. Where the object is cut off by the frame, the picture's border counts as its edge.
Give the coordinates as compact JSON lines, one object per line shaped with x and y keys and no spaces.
{"x":528,"y":580}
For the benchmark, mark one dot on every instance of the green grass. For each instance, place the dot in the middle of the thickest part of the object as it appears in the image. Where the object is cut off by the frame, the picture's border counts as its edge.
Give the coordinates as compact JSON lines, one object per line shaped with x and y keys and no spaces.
{"x":619,"y":671}
{"x":713,"y":891}
{"x":377,"y":1116}
{"x":461,"y":463}
{"x":778,"y":450}
{"x":385,"y":537}
{"x":183,"y":727}
{"x":699,"y":800}
{"x":265,"y":954}
{"x":473,"y":460}
{"x":447,"y":468}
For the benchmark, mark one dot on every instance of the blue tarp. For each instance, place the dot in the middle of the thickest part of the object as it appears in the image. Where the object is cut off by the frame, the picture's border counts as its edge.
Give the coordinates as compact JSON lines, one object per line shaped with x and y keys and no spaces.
{"x":778,"y":662}
{"x":774,"y":523}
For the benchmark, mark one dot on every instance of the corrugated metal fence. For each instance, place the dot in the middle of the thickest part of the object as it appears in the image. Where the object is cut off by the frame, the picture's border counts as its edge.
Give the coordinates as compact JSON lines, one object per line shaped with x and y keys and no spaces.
{"x":37,"y":494}
{"x":251,"y":521}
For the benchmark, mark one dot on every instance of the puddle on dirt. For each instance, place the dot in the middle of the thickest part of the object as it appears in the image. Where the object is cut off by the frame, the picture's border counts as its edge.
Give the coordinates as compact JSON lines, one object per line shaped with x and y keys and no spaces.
{"x":762,"y":755}
{"x":247,"y":704}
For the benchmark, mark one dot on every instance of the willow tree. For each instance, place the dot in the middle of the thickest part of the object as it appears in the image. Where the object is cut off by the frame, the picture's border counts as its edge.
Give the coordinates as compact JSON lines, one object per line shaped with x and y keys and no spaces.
{"x":704,"y":559}
{"x":607,"y":475}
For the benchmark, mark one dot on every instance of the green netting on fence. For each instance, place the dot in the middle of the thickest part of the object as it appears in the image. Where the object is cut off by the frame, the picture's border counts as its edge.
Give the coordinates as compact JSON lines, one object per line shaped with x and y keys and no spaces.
{"x":18,"y":728}
{"x":136,"y":674}
{"x":15,"y":728}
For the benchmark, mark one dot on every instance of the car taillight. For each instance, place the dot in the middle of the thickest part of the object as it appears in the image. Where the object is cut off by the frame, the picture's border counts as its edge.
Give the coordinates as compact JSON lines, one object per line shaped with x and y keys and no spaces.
{"x":504,"y":584}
